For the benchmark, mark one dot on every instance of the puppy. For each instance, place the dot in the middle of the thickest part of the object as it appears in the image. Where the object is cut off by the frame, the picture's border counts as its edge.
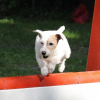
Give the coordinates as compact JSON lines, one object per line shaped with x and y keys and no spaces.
{"x":51,"y":48}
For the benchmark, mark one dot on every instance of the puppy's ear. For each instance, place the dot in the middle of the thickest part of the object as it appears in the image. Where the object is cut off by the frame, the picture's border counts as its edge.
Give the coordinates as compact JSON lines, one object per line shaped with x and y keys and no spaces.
{"x":39,"y":32}
{"x":61,"y":29}
{"x":58,"y":36}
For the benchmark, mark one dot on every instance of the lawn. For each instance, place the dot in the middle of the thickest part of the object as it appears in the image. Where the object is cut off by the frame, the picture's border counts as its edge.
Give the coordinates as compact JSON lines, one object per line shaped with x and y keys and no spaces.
{"x":17,"y":55}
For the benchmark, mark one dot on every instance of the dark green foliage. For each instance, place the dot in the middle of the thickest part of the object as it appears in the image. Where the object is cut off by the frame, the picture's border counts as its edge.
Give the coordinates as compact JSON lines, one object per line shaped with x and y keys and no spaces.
{"x":43,"y":9}
{"x":7,"y":6}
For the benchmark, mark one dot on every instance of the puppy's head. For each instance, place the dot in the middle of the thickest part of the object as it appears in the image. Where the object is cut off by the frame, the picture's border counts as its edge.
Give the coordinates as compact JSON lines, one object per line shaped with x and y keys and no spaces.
{"x":49,"y":41}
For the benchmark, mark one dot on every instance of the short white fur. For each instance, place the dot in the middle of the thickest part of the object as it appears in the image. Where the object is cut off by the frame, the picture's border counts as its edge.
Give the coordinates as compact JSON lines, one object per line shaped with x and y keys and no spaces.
{"x":55,"y":53}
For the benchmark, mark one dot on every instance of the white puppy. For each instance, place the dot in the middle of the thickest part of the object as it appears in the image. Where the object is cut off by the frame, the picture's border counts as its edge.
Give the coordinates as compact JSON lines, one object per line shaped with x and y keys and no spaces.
{"x":51,"y":48}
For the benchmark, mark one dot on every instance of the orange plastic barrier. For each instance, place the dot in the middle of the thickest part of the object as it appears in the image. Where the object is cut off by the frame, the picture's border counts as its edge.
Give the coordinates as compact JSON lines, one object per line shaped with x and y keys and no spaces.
{"x":93,"y":62}
{"x":71,"y":78}
{"x":51,"y":80}
{"x":60,"y":79}
{"x":19,"y":82}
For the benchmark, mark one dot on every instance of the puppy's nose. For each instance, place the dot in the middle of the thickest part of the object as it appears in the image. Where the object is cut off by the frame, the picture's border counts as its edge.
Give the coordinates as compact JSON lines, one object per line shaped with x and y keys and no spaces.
{"x":43,"y":52}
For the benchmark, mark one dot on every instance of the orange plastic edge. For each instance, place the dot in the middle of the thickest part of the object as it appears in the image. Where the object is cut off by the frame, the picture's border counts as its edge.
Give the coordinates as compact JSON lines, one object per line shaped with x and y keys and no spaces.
{"x":20,"y":82}
{"x":60,"y":79}
{"x":88,"y":77}
{"x":2,"y":84}
{"x":51,"y":80}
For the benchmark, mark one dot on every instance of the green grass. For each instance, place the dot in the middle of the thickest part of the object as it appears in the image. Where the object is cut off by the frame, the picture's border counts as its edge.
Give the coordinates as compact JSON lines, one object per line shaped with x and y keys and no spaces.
{"x":17,"y":55}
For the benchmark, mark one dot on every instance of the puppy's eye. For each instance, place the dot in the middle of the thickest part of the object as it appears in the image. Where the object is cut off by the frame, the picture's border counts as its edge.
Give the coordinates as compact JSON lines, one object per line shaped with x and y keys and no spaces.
{"x":50,"y":44}
{"x":42,"y":43}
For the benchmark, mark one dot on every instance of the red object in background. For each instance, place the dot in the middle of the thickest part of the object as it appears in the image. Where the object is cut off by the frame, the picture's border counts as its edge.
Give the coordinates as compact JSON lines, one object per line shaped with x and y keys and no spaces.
{"x":80,"y":15}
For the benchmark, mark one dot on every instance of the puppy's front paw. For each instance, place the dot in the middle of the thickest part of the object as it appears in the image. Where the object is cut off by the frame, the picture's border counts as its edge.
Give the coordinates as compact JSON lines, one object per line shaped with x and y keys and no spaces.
{"x":44,"y":71}
{"x":51,"y":68}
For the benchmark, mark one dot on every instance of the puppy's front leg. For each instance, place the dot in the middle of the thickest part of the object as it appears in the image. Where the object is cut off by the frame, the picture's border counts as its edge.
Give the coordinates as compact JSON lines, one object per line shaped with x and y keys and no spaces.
{"x":55,"y":60}
{"x":43,"y":66}
{"x":51,"y":67}
{"x":44,"y":71}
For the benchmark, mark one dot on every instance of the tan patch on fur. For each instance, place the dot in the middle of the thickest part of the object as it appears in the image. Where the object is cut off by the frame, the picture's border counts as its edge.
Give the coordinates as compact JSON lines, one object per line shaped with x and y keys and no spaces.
{"x":53,"y":40}
{"x":48,"y":61}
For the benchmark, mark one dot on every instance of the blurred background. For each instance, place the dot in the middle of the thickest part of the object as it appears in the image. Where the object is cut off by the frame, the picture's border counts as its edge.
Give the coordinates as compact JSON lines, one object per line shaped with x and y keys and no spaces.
{"x":43,"y":9}
{"x":18,"y":18}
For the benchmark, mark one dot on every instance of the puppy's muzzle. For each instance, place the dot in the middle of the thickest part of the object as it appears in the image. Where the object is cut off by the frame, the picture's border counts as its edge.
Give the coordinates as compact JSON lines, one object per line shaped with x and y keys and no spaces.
{"x":44,"y":54}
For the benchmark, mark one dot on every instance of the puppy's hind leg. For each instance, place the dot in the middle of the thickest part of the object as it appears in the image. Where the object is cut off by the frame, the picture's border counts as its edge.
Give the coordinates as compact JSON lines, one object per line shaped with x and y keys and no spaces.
{"x":62,"y":66}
